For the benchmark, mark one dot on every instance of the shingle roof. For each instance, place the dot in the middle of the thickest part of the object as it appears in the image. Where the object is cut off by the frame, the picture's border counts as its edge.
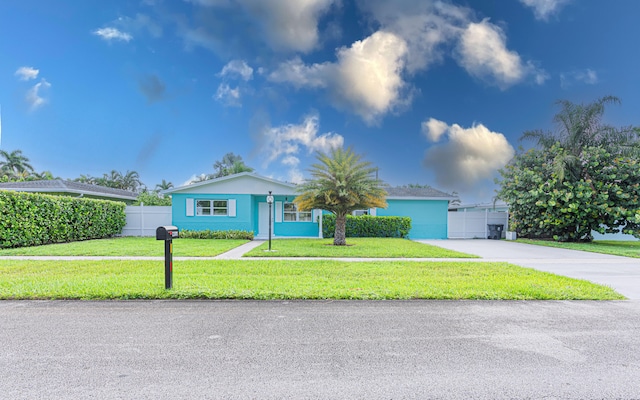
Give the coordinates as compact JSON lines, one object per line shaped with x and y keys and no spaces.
{"x":60,"y":186}
{"x":427,"y":192}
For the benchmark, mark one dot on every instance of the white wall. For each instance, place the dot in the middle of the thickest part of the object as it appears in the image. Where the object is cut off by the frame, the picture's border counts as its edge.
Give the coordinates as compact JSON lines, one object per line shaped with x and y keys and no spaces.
{"x":143,"y":220}
{"x":473,"y":224}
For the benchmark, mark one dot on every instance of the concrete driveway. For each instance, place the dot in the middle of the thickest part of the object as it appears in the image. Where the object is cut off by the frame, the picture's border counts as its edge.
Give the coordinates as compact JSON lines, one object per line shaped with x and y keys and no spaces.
{"x":620,"y":273}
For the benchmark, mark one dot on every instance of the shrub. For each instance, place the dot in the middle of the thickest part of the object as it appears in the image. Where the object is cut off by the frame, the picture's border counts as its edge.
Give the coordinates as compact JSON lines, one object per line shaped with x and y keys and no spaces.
{"x":209,"y":234}
{"x":30,"y":219}
{"x":368,"y":226}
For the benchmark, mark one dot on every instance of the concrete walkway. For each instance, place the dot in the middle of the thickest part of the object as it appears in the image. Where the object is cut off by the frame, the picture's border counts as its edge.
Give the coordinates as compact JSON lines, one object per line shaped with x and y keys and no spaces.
{"x":619,"y":273}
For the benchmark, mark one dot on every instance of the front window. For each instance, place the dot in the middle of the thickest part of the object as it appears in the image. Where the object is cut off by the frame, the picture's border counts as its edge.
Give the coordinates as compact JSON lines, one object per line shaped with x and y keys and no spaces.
{"x":211,"y":207}
{"x":291,"y":214}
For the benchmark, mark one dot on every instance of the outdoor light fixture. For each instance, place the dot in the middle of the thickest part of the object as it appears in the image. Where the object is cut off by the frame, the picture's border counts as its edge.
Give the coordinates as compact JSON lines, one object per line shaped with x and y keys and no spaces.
{"x":270,"y":202}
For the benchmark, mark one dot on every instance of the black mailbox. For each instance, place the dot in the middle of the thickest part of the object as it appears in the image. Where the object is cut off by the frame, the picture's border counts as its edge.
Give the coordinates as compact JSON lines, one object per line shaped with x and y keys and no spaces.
{"x":166,"y":232}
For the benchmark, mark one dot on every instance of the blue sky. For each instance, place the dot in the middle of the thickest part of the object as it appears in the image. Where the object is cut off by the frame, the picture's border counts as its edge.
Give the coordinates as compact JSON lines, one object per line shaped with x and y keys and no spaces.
{"x":431,"y":92}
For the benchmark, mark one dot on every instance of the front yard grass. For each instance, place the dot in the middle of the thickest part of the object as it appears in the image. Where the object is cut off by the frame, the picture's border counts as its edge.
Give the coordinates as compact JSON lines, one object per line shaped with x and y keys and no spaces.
{"x":613,"y":247}
{"x":356,"y":247}
{"x":129,"y":246}
{"x":278,"y":279}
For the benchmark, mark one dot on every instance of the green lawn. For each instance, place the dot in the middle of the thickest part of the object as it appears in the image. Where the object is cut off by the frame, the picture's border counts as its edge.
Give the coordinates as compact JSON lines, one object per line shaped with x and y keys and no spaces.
{"x":129,"y":246}
{"x":614,"y":247}
{"x":276,"y":279}
{"x":356,"y":247}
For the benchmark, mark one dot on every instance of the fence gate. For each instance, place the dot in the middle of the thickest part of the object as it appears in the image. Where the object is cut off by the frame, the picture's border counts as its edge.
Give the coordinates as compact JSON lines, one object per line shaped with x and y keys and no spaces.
{"x":143,"y":220}
{"x":473,"y":224}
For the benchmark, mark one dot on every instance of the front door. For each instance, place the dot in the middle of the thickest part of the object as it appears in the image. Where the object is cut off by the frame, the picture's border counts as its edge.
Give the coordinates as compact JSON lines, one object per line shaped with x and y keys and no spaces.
{"x":263,"y":220}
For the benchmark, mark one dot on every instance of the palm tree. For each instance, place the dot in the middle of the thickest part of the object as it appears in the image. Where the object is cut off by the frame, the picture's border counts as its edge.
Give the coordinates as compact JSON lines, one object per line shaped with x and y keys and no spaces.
{"x":131,"y":181}
{"x":580,"y":126}
{"x":15,"y":164}
{"x":164,"y":185}
{"x":229,"y":165}
{"x":341,"y":184}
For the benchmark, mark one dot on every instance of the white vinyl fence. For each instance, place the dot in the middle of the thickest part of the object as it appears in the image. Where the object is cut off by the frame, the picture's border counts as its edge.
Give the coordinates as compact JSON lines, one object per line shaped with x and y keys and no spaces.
{"x":143,"y":220}
{"x":473,"y":224}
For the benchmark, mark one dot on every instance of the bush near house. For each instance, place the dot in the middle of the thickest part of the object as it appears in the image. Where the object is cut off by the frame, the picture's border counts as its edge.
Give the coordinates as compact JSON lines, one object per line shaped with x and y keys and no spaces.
{"x":30,"y":219}
{"x":209,"y":234}
{"x":368,"y":226}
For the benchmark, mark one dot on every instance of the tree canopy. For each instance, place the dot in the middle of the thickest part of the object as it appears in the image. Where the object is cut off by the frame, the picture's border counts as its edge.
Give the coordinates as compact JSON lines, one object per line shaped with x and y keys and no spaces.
{"x":229,"y":165}
{"x":584,"y":177}
{"x":341,"y":183}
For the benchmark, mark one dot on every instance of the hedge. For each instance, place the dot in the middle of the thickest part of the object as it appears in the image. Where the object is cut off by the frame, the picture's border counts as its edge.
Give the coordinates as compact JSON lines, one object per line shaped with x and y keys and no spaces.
{"x":368,"y":226}
{"x":209,"y":234}
{"x":31,"y":219}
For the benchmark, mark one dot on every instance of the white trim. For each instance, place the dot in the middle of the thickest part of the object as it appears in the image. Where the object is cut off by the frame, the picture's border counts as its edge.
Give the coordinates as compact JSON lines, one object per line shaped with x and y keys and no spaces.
{"x":190,"y":208}
{"x":231,"y":207}
{"x":278,"y":217}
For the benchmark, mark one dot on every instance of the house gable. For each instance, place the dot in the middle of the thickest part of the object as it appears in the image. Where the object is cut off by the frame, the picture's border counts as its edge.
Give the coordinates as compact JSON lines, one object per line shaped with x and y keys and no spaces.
{"x":244,"y":183}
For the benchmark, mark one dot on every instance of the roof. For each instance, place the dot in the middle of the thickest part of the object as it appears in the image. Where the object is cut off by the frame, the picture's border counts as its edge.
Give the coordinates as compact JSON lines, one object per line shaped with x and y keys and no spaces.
{"x":60,"y":186}
{"x":400,"y":192}
{"x":251,"y":183}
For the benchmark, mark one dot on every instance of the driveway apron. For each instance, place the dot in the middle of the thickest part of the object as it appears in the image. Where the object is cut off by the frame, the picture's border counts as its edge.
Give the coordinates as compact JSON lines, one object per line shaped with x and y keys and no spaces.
{"x":620,"y":273}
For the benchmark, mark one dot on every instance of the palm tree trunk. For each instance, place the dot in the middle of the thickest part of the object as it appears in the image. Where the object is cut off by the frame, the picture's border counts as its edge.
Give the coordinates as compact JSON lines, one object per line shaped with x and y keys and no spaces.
{"x":340,"y":234}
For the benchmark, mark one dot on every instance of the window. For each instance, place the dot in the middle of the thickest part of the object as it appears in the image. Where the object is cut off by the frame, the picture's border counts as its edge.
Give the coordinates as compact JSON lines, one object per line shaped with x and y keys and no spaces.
{"x":211,"y":207}
{"x":291,"y":214}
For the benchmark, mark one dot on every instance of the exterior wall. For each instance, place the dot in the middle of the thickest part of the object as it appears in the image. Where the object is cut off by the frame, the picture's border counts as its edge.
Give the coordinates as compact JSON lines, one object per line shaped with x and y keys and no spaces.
{"x":242,"y":221}
{"x":282,"y":228}
{"x":428,"y":217}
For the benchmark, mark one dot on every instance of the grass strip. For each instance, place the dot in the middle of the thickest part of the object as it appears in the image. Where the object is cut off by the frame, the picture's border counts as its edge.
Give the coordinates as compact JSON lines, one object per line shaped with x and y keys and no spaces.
{"x":303,"y":279}
{"x":625,"y":248}
{"x":356,"y":248}
{"x":129,"y":246}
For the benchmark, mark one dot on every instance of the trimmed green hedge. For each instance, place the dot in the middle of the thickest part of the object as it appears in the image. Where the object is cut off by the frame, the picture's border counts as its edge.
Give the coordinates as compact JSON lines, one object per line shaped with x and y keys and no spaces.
{"x":31,"y":219}
{"x":368,"y":226}
{"x":209,"y":234}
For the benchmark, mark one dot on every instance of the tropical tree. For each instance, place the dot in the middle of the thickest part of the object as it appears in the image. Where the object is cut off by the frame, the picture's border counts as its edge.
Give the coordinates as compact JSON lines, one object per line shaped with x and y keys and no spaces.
{"x":580,"y":126}
{"x":341,"y":183}
{"x":164,"y":185}
{"x":131,"y":181}
{"x":15,"y":164}
{"x":229,"y":165}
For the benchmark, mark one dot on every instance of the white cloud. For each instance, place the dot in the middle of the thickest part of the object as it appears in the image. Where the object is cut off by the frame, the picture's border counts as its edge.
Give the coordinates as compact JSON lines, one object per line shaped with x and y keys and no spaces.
{"x":34,"y":98}
{"x":434,"y":129}
{"x":484,"y":54}
{"x":469,"y":156}
{"x":286,"y":142}
{"x":587,"y":76}
{"x":543,"y":9}
{"x":228,"y":96}
{"x":237,"y":68}
{"x":366,"y":79}
{"x":110,"y":34}
{"x":289,"y":25}
{"x":27,"y":73}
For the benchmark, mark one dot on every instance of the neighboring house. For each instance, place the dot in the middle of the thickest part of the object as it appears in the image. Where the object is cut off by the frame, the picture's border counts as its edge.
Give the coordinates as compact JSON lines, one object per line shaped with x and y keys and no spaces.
{"x":240,"y":202}
{"x":70,"y":188}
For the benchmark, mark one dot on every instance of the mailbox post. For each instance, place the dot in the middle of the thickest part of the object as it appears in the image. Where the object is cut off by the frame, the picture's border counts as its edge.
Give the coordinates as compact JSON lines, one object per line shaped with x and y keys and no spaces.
{"x":167,"y":233}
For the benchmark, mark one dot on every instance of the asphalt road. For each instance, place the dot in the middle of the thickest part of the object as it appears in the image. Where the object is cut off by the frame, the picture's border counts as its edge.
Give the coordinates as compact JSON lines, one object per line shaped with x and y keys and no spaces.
{"x":320,"y":350}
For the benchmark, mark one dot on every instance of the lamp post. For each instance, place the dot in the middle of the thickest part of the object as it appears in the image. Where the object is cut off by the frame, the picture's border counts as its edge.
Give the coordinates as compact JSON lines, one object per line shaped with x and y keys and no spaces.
{"x":270,"y":202}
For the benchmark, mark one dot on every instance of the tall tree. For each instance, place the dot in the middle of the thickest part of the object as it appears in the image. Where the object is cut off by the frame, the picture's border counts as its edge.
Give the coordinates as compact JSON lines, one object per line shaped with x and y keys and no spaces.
{"x":164,"y":185}
{"x":580,"y":126}
{"x":341,"y":183}
{"x":229,"y":165}
{"x":15,"y":164}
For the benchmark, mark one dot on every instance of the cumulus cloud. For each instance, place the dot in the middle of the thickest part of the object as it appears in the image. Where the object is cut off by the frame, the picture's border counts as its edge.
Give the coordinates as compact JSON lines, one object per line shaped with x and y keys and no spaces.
{"x":484,"y":54}
{"x":27,"y":73}
{"x":110,"y":34}
{"x":228,"y":96}
{"x":469,"y":155}
{"x":152,"y":87}
{"x":34,"y":96}
{"x":237,"y":69}
{"x":289,"y":25}
{"x":587,"y":76}
{"x":543,"y":9}
{"x":284,"y":143}
{"x":366,"y":79}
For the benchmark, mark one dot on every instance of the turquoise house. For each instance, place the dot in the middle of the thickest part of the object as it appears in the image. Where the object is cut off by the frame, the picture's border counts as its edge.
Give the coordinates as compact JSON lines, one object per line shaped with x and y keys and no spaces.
{"x":240,"y":202}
